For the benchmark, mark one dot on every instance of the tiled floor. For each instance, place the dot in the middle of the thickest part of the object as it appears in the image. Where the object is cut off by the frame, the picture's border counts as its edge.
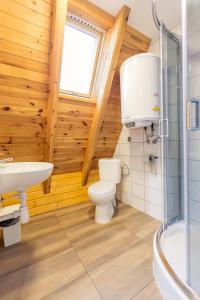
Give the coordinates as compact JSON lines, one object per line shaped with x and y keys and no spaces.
{"x":66,"y":255}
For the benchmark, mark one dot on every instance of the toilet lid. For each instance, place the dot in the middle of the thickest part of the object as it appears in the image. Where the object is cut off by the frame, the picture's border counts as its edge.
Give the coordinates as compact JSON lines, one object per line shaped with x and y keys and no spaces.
{"x":101,"y":188}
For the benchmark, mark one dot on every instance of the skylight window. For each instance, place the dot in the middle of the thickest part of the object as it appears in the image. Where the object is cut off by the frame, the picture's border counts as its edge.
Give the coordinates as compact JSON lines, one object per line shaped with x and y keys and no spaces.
{"x":79,"y":60}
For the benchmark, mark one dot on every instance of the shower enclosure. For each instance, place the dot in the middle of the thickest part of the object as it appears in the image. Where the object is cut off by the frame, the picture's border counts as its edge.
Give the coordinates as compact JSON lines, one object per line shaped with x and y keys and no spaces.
{"x":177,"y":243}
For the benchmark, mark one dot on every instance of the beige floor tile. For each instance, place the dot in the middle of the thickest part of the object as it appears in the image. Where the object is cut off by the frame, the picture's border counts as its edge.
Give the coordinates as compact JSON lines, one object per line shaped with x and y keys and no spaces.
{"x":79,"y":289}
{"x":103,"y":243}
{"x":41,"y":278}
{"x":142,"y":226}
{"x":125,"y":275}
{"x":79,"y":216}
{"x":147,"y":230}
{"x":39,"y":226}
{"x":74,"y":208}
{"x":150,"y":292}
{"x":138,"y":221}
{"x":124,"y":212}
{"x":29,"y":252}
{"x":47,"y":262}
{"x":84,"y":230}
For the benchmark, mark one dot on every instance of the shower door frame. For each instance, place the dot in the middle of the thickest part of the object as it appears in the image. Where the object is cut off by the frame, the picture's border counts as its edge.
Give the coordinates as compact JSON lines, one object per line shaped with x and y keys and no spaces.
{"x":185,"y":136}
{"x":183,"y":96}
{"x":164,"y":126}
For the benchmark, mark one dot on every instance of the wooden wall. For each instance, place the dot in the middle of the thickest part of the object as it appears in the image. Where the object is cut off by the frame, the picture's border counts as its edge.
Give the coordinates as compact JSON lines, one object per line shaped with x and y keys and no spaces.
{"x":24,"y":69}
{"x":24,"y":48}
{"x":66,"y":190}
{"x":73,"y":125}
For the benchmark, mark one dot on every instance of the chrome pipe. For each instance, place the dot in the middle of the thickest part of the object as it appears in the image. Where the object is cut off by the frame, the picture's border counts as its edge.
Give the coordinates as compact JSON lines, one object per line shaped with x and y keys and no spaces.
{"x":155,"y":16}
{"x":159,"y":23}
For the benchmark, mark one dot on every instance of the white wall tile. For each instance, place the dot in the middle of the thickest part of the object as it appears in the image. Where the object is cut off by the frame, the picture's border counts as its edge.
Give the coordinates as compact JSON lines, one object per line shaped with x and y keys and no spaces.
{"x":126,"y":186}
{"x":152,"y":195}
{"x":173,"y":185}
{"x":137,"y":135}
{"x":137,"y":149}
{"x":173,"y":167}
{"x":172,"y":111}
{"x":173,"y":132}
{"x":138,"y":203}
{"x":153,"y":181}
{"x":124,"y":149}
{"x":194,"y":190}
{"x":126,"y":198}
{"x":172,"y":95}
{"x":194,"y":169}
{"x":173,"y":149}
{"x":194,"y":148}
{"x":153,"y":210}
{"x":137,"y":163}
{"x":194,"y":210}
{"x":194,"y":87}
{"x":194,"y":65}
{"x":138,"y":190}
{"x":138,"y":177}
{"x":132,"y":187}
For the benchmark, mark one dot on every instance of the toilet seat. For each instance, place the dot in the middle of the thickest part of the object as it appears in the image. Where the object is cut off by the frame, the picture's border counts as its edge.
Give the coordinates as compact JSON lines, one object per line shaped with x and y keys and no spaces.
{"x":102,"y":188}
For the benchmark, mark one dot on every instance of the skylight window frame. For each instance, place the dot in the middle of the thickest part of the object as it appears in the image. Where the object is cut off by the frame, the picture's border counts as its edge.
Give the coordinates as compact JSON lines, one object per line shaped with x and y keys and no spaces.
{"x":99,"y":35}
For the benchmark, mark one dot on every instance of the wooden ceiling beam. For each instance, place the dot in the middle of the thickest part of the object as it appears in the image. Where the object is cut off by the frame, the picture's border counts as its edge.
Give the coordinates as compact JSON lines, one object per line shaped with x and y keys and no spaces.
{"x":57,"y":33}
{"x":99,"y":17}
{"x":136,"y":40}
{"x":113,"y":42}
{"x":90,"y":12}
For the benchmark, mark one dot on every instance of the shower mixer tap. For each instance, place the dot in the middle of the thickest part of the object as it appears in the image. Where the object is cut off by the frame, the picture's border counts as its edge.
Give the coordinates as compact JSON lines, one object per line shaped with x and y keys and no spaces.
{"x":151,"y":160}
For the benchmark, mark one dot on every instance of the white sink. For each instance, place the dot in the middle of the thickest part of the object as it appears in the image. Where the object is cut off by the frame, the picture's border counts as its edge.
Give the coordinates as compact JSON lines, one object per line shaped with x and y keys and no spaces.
{"x":17,"y":177}
{"x":21,"y":175}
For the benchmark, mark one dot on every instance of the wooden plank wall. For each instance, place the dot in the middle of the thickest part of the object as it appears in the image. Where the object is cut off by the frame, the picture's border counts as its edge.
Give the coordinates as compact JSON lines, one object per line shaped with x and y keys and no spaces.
{"x":66,"y":190}
{"x":73,"y":125}
{"x":24,"y":68}
{"x":24,"y":51}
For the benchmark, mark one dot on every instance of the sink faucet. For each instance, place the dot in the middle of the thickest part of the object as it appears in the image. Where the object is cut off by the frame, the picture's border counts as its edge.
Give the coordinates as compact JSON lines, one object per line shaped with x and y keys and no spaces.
{"x":5,"y":160}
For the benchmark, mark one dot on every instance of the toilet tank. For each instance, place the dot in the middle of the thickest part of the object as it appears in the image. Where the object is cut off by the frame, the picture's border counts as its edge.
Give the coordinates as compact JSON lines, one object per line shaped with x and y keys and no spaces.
{"x":110,"y":170}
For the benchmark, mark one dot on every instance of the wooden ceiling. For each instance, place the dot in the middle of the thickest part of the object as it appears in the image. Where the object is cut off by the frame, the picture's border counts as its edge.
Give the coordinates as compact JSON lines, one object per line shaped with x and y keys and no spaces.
{"x":25,"y":32}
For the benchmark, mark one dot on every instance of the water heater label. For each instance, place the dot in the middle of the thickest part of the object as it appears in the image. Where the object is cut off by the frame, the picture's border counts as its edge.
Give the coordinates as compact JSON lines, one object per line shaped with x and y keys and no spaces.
{"x":156,"y":108}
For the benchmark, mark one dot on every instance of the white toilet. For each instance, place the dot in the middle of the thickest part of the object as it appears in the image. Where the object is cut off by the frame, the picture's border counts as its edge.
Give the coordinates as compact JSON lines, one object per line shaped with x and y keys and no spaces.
{"x":103,"y":192}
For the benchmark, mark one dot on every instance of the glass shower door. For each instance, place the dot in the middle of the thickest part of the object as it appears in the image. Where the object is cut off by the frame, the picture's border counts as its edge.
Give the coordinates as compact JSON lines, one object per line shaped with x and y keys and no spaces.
{"x":171,"y":124}
{"x":192,"y":38}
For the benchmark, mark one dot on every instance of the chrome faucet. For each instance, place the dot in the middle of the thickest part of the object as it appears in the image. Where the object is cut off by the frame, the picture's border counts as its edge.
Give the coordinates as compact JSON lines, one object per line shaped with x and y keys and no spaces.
{"x":5,"y":160}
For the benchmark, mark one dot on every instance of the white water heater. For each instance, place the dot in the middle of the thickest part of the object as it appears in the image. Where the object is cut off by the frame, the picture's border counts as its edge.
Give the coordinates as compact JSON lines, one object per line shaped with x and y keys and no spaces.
{"x":140,"y":90}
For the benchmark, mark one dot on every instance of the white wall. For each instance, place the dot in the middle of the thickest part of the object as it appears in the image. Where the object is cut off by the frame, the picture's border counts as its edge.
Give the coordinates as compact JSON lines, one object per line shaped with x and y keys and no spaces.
{"x":142,"y":188}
